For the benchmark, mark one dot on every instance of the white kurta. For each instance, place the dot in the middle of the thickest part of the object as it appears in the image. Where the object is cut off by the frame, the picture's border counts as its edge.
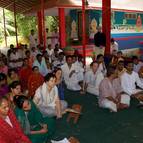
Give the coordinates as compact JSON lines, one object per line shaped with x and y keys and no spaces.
{"x":129,"y":81}
{"x":114,"y":46}
{"x":102,"y":69}
{"x":46,"y":101}
{"x":93,"y":81}
{"x":71,"y":82}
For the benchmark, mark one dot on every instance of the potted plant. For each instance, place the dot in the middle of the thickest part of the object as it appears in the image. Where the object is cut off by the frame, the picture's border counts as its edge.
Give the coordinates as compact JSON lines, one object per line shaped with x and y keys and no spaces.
{"x":69,"y":50}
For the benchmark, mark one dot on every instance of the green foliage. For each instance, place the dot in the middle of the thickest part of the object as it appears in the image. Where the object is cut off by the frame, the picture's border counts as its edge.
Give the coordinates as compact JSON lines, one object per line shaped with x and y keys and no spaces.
{"x":25,"y":24}
{"x":68,"y":48}
{"x":52,"y":22}
{"x":9,"y":21}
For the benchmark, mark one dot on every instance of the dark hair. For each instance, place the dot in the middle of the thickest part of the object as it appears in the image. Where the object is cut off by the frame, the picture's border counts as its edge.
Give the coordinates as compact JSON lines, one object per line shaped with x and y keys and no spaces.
{"x":56,"y":69}
{"x":68,"y":56}
{"x":135,"y":58}
{"x":19,"y":100}
{"x":61,"y":53}
{"x":112,"y":40}
{"x":121,"y":62}
{"x":2,"y":98}
{"x":111,"y":70}
{"x":128,"y":62}
{"x":33,"y":68}
{"x":93,"y":63}
{"x":2,"y":76}
{"x":38,"y":55}
{"x":49,"y":76}
{"x":27,"y":51}
{"x":119,"y":52}
{"x":99,"y":55}
{"x":11,"y":70}
{"x":14,"y":84}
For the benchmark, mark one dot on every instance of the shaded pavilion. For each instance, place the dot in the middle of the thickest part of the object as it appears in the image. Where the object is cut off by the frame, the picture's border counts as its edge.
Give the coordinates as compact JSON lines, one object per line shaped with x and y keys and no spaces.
{"x":39,"y":7}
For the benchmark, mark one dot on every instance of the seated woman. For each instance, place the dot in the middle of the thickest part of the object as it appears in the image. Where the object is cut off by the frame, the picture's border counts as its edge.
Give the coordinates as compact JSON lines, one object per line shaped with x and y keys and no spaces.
{"x":59,"y":84}
{"x":3,"y":84}
{"x":15,"y":89}
{"x":37,"y":128}
{"x":12,"y":76}
{"x":24,"y":74}
{"x":3,"y":67}
{"x":10,"y":131}
{"x":34,"y":81}
{"x":47,"y":100}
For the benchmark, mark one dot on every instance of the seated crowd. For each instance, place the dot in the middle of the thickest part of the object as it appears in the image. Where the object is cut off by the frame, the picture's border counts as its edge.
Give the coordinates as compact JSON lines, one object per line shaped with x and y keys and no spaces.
{"x":32,"y":83}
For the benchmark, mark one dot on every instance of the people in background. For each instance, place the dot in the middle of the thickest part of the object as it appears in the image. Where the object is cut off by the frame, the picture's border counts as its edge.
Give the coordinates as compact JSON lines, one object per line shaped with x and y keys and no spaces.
{"x":114,"y":46}
{"x":136,"y":64}
{"x":41,"y":64}
{"x":12,"y":76}
{"x":100,"y":38}
{"x":3,"y":85}
{"x":32,"y":39}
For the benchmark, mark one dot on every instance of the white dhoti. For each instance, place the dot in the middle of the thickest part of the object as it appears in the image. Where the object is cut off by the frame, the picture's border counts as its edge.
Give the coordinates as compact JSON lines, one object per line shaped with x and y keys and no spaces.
{"x":125,"y":99}
{"x":93,"y":90}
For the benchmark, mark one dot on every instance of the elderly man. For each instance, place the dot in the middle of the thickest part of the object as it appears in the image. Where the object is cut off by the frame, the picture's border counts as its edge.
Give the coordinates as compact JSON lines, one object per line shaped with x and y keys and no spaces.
{"x":111,"y":95}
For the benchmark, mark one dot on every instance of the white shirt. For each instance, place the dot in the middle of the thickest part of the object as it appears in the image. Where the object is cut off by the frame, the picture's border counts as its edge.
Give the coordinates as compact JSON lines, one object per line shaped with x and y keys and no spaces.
{"x":93,"y":80}
{"x":71,"y":82}
{"x":44,"y":98}
{"x":128,"y":82}
{"x":114,"y":46}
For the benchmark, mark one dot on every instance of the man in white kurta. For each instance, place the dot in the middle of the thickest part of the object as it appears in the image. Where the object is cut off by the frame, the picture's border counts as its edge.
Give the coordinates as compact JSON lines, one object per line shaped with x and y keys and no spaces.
{"x":129,"y":80}
{"x":93,"y":79}
{"x":71,"y":74}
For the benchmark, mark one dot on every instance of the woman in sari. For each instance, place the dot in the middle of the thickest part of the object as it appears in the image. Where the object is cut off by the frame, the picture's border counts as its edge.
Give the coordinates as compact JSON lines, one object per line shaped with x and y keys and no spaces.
{"x":34,"y":81}
{"x":10,"y":131}
{"x":37,"y":128}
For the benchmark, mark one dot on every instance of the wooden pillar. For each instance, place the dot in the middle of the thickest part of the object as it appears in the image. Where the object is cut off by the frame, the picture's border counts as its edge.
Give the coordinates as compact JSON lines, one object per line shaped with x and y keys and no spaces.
{"x":4,"y":25}
{"x":62,"y":27}
{"x":40,"y":27}
{"x":106,"y":23}
{"x":43,"y":23}
{"x":83,"y":31}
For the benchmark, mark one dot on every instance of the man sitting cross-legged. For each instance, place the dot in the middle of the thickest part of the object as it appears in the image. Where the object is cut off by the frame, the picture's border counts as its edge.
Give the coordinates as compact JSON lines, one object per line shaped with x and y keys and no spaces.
{"x":73,"y":75}
{"x":129,"y":80}
{"x":93,"y":78}
{"x":110,"y":92}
